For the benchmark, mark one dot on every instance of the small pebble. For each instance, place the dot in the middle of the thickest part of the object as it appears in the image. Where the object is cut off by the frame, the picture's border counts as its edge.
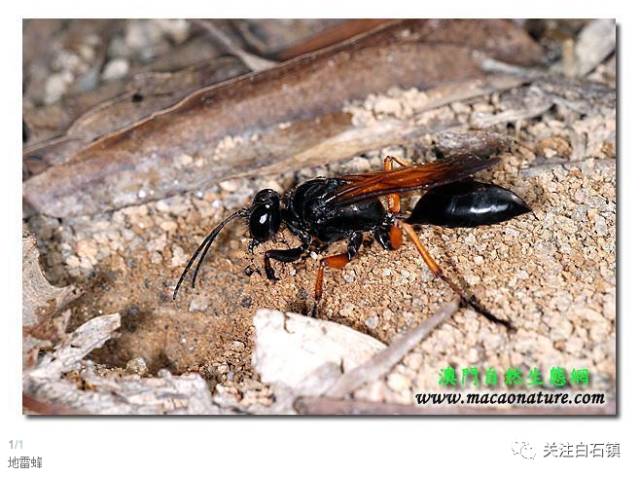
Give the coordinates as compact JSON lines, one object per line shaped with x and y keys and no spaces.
{"x":237,"y":346}
{"x":561,"y":329}
{"x":385,"y":105}
{"x":86,"y":248}
{"x":156,"y":258}
{"x":56,"y":86}
{"x":229,"y":186}
{"x":157,"y":244}
{"x":137,"y":366}
{"x":574,"y":345}
{"x":349,"y":276}
{"x":178,"y":257}
{"x":473,"y":279}
{"x":199,"y":303}
{"x":72,"y":261}
{"x":372,"y":322}
{"x":599,"y":332}
{"x":163,"y":373}
{"x":398,"y":382}
{"x":347,"y":310}
{"x":115,"y":69}
{"x":169,"y":226}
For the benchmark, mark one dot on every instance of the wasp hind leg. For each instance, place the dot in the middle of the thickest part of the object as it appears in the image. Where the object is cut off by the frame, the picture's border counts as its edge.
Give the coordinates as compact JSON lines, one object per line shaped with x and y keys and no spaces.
{"x":335,"y":261}
{"x":467,"y":298}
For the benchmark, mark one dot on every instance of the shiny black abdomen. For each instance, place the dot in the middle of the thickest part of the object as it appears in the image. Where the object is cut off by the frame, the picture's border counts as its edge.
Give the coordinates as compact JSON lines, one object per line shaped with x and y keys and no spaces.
{"x":308,"y":208}
{"x":467,"y":204}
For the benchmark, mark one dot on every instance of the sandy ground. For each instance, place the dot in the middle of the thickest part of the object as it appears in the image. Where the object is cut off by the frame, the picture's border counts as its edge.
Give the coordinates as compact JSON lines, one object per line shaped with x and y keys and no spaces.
{"x":552,"y":274}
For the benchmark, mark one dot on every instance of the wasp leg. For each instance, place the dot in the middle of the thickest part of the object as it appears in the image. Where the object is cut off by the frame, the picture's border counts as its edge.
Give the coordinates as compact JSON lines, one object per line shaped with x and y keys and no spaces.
{"x":335,"y":261}
{"x":467,"y":298}
{"x":285,"y":255}
{"x":389,"y":236}
{"x":397,"y":161}
{"x":393,"y":200}
{"x":393,"y":204}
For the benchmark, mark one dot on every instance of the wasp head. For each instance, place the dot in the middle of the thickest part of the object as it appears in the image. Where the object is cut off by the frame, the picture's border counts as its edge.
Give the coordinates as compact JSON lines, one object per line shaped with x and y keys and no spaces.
{"x":264,"y":215}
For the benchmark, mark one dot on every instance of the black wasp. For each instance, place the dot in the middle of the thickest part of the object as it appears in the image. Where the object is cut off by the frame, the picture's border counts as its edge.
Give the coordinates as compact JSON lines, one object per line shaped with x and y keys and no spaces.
{"x":343,"y":208}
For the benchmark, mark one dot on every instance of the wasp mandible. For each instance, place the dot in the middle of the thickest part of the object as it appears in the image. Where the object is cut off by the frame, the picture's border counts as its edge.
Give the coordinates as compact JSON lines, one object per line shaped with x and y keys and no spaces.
{"x":345,"y":207}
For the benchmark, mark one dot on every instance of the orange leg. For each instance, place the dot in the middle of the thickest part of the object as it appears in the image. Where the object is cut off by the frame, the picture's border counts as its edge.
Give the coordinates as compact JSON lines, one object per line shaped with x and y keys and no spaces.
{"x":335,"y":261}
{"x":393,"y":200}
{"x":466,"y":298}
{"x":396,"y":160}
{"x":428,"y":259}
{"x":395,"y":236}
{"x":393,"y":204}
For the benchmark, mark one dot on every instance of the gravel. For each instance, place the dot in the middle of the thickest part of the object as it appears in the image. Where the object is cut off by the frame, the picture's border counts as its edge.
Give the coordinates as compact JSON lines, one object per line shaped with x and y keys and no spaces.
{"x":553,"y":275}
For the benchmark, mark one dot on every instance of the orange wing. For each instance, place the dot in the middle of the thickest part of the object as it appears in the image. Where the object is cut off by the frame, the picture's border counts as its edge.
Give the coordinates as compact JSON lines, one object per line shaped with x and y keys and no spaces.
{"x":374,"y":184}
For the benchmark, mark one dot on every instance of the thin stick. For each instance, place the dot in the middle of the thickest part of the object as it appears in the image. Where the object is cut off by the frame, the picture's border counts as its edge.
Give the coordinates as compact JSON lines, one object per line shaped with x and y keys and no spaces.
{"x":253,"y":62}
{"x":381,"y":363}
{"x":332,"y":406}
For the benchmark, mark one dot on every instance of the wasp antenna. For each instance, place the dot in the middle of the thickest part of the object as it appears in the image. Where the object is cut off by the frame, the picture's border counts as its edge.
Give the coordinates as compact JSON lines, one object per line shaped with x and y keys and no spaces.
{"x":204,"y":248}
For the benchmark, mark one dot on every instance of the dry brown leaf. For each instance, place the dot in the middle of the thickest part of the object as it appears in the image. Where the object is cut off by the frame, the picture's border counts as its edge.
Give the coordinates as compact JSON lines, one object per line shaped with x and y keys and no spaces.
{"x":114,"y":106}
{"x":262,"y":118}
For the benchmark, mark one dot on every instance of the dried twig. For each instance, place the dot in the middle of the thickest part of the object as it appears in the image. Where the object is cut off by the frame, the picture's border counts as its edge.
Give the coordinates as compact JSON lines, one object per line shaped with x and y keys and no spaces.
{"x":330,"y":36}
{"x":91,"y":335}
{"x":253,"y":62}
{"x":493,"y":66}
{"x":165,"y":394}
{"x":332,"y":406}
{"x":541,"y":167}
{"x":31,"y":405}
{"x":259,"y":119}
{"x":594,"y":44}
{"x":42,"y":323}
{"x":383,"y":361}
{"x":47,"y":391}
{"x":87,"y":116}
{"x":40,"y":299}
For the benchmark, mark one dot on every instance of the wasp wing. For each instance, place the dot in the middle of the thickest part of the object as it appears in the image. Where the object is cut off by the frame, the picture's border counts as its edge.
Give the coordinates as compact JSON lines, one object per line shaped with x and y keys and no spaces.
{"x":365,"y":186}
